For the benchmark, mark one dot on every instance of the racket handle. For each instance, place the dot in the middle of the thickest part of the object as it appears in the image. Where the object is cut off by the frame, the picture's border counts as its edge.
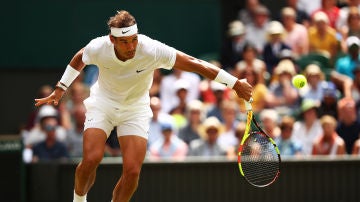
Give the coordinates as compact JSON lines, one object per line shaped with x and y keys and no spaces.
{"x":248,"y":106}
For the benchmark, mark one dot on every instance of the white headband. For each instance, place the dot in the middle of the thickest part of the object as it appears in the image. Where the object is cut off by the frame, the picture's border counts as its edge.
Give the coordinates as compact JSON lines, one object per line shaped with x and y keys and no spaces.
{"x":124,"y":31}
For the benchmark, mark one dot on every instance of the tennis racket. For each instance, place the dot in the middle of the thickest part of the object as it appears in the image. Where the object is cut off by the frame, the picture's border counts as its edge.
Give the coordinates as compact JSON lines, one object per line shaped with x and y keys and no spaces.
{"x":258,"y":156}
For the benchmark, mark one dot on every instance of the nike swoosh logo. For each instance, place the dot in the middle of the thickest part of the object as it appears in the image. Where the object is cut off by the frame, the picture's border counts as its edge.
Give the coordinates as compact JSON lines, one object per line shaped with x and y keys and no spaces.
{"x":225,"y":84}
{"x":124,"y":32}
{"x":139,"y":70}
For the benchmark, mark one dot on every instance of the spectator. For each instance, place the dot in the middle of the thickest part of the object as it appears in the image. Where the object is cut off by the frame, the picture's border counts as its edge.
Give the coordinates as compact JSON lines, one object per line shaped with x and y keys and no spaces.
{"x":251,"y":62}
{"x":282,"y":95}
{"x":169,"y":146}
{"x":43,"y":91}
{"x":296,"y":34}
{"x":182,"y":88}
{"x":285,"y":142}
{"x":274,"y":45}
{"x":208,"y":145}
{"x":301,"y":16}
{"x":270,"y":119}
{"x":355,"y":87}
{"x":309,"y":6}
{"x":308,"y":127}
{"x":328,"y":105}
{"x":259,"y":90}
{"x":158,"y":117}
{"x":229,"y":111}
{"x":316,"y":83}
{"x":74,"y":139}
{"x":46,"y":114}
{"x":50,"y":148}
{"x":322,"y":37}
{"x":342,"y":21}
{"x":351,"y":28}
{"x":195,"y":115}
{"x":219,"y":93}
{"x":356,"y":149}
{"x":330,"y":8}
{"x":233,"y":45}
{"x":239,"y":133}
{"x":329,"y":142}
{"x":345,"y":65}
{"x":246,"y":14}
{"x":348,"y":123}
{"x":168,"y":92}
{"x":256,"y":31}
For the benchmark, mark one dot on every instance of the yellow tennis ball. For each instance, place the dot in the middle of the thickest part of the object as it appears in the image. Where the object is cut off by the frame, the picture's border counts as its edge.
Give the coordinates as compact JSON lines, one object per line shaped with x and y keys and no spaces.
{"x":299,"y":81}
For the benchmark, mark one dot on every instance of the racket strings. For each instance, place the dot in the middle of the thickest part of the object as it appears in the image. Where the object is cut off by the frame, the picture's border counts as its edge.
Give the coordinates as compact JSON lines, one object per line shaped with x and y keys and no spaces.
{"x":260,"y":161}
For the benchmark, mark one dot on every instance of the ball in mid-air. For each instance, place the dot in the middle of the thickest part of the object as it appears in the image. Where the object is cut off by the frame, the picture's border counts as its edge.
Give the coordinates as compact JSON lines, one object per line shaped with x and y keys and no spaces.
{"x":299,"y":81}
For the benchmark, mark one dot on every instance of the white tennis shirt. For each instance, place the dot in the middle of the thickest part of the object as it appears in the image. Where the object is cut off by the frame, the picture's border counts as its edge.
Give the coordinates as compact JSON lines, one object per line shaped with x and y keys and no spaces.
{"x":126,"y":83}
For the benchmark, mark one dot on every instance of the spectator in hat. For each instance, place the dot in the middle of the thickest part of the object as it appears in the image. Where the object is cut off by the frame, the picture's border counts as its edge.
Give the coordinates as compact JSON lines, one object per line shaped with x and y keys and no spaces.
{"x":348,"y":122}
{"x":274,"y":45}
{"x":296,"y":34}
{"x":346,"y":64}
{"x":47,"y":113}
{"x":307,"y":128}
{"x":169,"y":146}
{"x":315,"y":83}
{"x":282,"y":95}
{"x":231,"y":51}
{"x":301,"y":16}
{"x":322,"y":37}
{"x":257,"y":30}
{"x":329,"y":7}
{"x":208,"y":145}
{"x":329,"y":142}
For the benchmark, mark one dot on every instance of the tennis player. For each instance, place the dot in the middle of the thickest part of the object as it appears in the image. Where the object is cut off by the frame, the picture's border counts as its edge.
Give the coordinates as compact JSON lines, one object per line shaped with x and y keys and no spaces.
{"x":120,"y":97}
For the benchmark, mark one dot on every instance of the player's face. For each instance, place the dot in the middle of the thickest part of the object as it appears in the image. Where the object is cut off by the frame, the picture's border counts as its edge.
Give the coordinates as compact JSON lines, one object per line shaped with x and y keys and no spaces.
{"x":125,"y":47}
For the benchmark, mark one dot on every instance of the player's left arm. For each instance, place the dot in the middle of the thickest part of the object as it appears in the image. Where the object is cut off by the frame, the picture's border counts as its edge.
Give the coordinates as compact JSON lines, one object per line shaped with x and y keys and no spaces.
{"x":191,"y":64}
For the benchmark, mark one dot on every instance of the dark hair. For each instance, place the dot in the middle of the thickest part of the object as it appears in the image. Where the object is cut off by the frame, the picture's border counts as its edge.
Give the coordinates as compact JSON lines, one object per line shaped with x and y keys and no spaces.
{"x":121,"y":19}
{"x":249,"y":46}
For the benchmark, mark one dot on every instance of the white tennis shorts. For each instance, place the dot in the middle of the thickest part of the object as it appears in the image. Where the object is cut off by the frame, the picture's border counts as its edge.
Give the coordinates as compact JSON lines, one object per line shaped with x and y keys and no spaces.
{"x":129,"y":121}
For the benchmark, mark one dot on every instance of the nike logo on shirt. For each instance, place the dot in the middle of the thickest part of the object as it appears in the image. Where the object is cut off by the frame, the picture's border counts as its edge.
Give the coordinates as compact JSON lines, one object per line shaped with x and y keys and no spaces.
{"x":139,"y":70}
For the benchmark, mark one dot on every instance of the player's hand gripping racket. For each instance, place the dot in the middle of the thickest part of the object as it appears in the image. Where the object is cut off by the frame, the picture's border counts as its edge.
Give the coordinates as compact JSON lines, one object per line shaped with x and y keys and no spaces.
{"x":258,"y":156}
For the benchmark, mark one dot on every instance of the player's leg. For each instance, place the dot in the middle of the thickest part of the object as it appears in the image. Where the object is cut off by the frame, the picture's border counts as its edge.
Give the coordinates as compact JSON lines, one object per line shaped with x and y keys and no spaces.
{"x":93,"y":151}
{"x":133,"y":149}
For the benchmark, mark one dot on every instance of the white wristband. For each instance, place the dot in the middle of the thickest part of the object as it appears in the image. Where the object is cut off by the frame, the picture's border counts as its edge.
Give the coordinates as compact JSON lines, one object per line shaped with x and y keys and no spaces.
{"x":226,"y":78}
{"x":69,"y":76}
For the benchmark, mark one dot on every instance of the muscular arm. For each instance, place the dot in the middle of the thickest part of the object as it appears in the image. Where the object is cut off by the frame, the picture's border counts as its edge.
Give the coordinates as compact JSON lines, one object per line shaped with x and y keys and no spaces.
{"x":76,"y":62}
{"x":190,"y":64}
{"x":54,"y":98}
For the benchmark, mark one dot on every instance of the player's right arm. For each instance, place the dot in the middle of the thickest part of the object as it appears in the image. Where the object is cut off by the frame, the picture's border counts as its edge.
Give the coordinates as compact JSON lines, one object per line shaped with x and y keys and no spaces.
{"x":72,"y":71}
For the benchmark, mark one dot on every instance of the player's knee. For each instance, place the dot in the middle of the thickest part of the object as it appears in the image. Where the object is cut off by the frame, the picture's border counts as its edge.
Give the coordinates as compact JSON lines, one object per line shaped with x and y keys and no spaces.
{"x":132,"y":172}
{"x":92,"y":160}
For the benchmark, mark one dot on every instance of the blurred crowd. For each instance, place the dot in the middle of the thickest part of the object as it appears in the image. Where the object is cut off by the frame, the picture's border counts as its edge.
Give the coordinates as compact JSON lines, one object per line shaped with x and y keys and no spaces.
{"x":194,"y":116}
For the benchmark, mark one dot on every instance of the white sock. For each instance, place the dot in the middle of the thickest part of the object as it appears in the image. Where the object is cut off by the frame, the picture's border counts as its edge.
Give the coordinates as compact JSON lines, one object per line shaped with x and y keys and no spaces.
{"x":78,"y":198}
